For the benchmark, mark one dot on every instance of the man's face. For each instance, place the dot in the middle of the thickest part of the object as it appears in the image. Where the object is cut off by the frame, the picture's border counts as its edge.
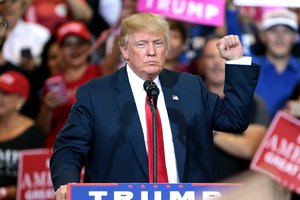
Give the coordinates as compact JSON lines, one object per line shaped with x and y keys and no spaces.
{"x":279,"y":40}
{"x":145,"y":53}
{"x":214,"y":65}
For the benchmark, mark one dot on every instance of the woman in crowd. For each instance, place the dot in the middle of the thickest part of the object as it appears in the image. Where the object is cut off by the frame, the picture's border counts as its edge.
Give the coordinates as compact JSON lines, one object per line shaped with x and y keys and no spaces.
{"x":51,"y":58}
{"x":17,"y":132}
{"x":51,"y":64}
{"x":74,"y":40}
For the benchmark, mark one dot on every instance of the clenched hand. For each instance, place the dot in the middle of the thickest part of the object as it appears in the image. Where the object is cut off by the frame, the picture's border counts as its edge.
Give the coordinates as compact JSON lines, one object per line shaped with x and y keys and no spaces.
{"x":230,"y":47}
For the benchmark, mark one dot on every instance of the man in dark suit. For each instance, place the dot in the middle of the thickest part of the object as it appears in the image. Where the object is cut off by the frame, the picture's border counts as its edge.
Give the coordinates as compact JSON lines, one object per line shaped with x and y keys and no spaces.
{"x":107,"y":130}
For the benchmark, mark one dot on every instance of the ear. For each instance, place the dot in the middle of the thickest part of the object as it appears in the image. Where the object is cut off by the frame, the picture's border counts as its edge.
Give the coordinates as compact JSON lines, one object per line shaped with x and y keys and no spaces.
{"x":124,"y":52}
{"x":20,"y":103}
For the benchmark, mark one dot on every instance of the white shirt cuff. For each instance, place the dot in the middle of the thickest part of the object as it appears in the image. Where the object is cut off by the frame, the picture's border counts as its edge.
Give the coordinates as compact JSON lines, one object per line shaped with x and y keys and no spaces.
{"x":246,"y":60}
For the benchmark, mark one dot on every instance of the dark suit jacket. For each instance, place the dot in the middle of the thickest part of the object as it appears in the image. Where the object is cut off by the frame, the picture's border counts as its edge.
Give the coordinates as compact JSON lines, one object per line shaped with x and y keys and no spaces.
{"x":104,"y":130}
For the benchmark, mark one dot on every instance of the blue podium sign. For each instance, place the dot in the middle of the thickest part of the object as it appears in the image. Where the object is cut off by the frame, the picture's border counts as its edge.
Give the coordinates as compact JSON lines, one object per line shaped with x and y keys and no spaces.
{"x":147,"y":191}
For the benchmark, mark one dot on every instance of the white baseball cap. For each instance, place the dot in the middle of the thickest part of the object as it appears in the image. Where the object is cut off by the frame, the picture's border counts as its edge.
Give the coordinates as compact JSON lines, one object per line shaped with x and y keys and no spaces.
{"x":281,"y":16}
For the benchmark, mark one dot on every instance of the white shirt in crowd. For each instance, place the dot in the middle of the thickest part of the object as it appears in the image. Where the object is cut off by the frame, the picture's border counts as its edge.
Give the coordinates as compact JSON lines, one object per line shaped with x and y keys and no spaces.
{"x":25,"y":35}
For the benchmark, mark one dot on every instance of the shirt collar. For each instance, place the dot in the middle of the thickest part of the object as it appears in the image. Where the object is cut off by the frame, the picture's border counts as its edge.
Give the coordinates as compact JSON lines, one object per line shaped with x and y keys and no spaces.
{"x":136,"y":83}
{"x":266,"y":63}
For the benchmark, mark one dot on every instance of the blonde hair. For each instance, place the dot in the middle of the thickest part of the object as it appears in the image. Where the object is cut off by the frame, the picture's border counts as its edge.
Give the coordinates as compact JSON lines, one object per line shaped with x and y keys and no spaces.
{"x":146,"y":22}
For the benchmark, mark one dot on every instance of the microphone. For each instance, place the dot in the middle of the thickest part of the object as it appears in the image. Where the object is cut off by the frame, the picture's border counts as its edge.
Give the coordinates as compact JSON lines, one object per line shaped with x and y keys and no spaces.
{"x":152,"y":91}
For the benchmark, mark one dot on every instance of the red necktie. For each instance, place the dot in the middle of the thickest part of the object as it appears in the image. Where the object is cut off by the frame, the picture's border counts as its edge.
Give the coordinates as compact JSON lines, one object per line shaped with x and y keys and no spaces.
{"x":162,"y":176}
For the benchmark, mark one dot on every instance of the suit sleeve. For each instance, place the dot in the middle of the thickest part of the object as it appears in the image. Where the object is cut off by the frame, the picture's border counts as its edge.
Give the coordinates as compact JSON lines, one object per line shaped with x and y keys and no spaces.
{"x":73,"y":142}
{"x":232,"y":113}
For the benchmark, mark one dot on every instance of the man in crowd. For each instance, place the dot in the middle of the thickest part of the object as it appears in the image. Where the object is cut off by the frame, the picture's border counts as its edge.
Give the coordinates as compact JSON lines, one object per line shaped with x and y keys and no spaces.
{"x":280,"y":69}
{"x":233,"y":151}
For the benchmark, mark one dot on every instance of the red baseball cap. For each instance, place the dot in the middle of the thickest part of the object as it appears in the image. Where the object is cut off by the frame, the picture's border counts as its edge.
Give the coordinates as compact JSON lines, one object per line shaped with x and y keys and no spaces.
{"x":15,"y":82}
{"x":72,"y":28}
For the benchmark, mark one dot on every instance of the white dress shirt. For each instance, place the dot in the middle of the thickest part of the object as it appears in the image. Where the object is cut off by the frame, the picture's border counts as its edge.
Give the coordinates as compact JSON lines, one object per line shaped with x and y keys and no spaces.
{"x":139,"y":94}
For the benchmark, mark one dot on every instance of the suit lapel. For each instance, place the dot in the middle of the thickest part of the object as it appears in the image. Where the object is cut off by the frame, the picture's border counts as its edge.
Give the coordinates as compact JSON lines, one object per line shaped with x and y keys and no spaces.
{"x":177,"y":122}
{"x":130,"y":115}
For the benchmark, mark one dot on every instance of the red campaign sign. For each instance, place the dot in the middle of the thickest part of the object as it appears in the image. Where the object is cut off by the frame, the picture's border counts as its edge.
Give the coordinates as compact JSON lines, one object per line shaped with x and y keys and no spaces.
{"x":34,"y":180}
{"x":279,"y":153}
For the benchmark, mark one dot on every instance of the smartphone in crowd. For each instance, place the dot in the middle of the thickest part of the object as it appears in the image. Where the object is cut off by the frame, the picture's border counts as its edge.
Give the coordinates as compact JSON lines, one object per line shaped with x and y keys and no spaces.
{"x":57,"y":85}
{"x":26,"y":53}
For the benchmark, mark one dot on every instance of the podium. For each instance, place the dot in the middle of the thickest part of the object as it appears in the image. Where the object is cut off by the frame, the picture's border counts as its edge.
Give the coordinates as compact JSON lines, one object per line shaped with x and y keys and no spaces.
{"x":147,"y":191}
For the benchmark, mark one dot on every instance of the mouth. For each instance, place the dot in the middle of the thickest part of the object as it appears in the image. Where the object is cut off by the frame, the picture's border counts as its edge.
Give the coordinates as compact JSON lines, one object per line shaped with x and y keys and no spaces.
{"x":218,"y":69}
{"x":151,"y":63}
{"x":280,"y":43}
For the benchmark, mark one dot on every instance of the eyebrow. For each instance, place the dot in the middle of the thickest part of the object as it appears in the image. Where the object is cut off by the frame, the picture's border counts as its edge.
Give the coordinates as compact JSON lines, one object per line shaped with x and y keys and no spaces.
{"x":146,"y":41}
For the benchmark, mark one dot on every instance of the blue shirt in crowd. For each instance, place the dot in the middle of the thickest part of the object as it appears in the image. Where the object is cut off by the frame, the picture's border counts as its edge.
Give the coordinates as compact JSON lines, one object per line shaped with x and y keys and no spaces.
{"x":274,"y":87}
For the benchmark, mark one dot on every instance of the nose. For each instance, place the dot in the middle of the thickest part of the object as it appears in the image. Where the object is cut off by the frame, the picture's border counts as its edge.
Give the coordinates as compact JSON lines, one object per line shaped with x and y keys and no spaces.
{"x":151,"y":51}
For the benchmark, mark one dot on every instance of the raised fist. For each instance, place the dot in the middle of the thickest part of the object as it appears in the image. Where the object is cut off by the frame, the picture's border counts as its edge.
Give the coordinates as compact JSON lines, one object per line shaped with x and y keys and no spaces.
{"x":230,"y":47}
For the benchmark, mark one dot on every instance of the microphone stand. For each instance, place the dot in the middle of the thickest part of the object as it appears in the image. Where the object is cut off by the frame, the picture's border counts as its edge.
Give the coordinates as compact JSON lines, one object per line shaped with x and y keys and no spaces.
{"x":153,"y":112}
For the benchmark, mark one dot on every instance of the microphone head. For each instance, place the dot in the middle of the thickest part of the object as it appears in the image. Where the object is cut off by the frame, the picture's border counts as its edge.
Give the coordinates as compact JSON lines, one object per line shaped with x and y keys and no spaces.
{"x":151,"y":89}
